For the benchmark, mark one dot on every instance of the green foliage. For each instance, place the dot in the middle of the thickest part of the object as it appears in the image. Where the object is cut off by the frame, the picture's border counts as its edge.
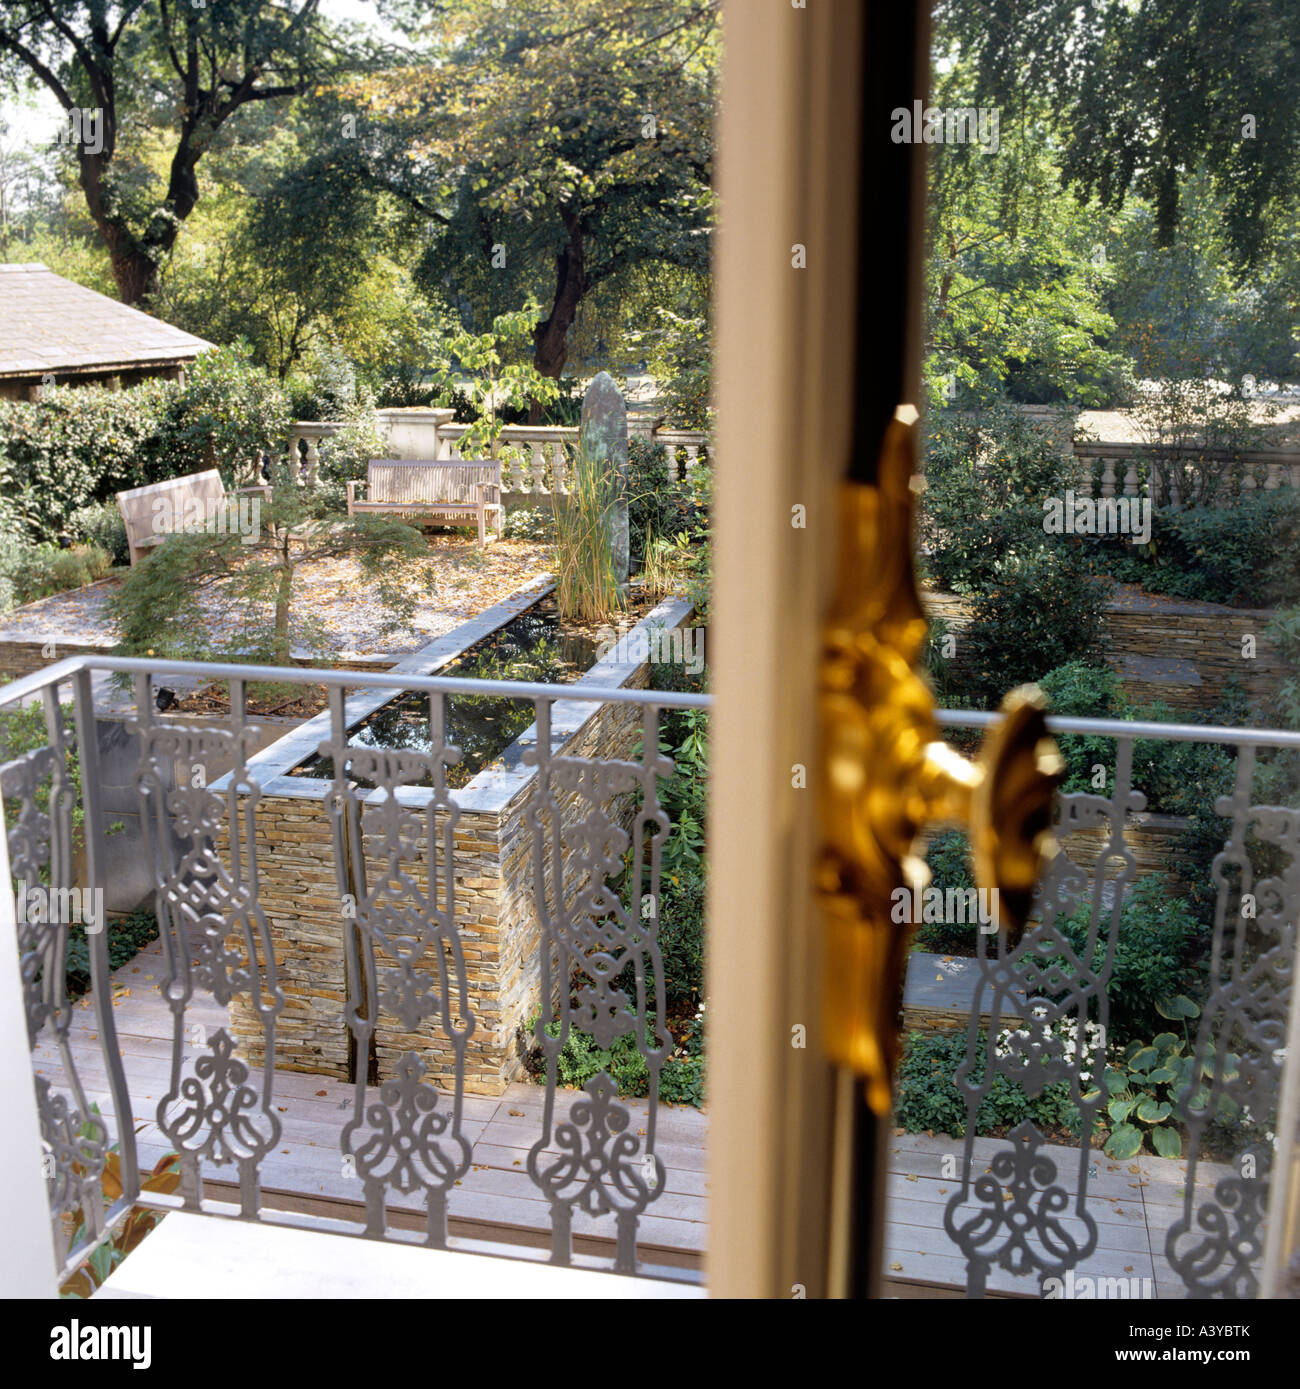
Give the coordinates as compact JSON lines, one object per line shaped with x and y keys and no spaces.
{"x":656,"y":504}
{"x":167,"y":80}
{"x":1143,"y":1091}
{"x":594,"y":199}
{"x":949,"y":860}
{"x":681,"y":1081}
{"x":1041,"y":609}
{"x":927,"y":1098}
{"x":346,"y":456}
{"x":531,"y":523}
{"x":681,"y":933}
{"x":1157,"y":948}
{"x":24,"y":730}
{"x":1284,"y":629}
{"x":1146,"y":97}
{"x":586,"y":585}
{"x":986,"y":476}
{"x":79,"y":445}
{"x":1016,"y":300}
{"x":499,"y":376}
{"x":29,"y":572}
{"x":101,"y":525}
{"x":1079,"y":690}
{"x":679,"y":354}
{"x":125,"y":939}
{"x":1245,"y":555}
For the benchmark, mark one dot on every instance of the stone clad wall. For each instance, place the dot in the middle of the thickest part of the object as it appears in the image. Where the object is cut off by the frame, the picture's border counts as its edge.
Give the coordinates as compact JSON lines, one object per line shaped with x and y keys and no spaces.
{"x":298,"y":892}
{"x":1194,"y":646}
{"x":496,"y":921}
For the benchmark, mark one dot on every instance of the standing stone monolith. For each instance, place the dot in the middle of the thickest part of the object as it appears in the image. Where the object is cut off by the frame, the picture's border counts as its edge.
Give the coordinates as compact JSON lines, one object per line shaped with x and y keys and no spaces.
{"x":604,"y":432}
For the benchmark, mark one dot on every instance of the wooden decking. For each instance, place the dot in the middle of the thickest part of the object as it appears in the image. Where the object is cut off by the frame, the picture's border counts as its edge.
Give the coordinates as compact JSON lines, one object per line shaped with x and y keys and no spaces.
{"x":495,"y":1201}
{"x":1133,"y":1203}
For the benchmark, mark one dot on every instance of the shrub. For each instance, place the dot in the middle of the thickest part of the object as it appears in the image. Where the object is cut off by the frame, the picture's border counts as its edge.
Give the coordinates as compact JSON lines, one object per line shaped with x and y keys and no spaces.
{"x":658,"y":506}
{"x":927,"y":1098}
{"x":1041,"y":609}
{"x":79,"y":445}
{"x":681,"y":1080}
{"x":531,"y":523}
{"x":1159,"y":942}
{"x":949,"y":860}
{"x":1246,"y":555}
{"x":1079,"y":690}
{"x":101,"y":524}
{"x":126,"y":938}
{"x":29,"y":572}
{"x":681,"y":934}
{"x":986,"y":478}
{"x":345,"y":456}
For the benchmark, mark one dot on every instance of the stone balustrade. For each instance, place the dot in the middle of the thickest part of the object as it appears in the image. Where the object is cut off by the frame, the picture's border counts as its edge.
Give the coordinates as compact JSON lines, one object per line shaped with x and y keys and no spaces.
{"x":534,"y":458}
{"x":1215,"y":476}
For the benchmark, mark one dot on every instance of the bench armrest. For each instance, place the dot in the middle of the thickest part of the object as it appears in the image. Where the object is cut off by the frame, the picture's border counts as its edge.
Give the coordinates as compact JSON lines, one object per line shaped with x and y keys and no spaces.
{"x":352,"y":492}
{"x":489,"y":491}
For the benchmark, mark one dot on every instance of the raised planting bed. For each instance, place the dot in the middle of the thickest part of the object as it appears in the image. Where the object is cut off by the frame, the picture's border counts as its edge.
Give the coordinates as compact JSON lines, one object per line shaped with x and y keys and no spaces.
{"x":1167,"y":649}
{"x":492,"y":862}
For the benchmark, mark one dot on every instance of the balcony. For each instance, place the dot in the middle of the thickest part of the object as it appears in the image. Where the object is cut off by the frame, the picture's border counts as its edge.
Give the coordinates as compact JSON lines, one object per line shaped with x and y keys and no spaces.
{"x":399,"y":1100}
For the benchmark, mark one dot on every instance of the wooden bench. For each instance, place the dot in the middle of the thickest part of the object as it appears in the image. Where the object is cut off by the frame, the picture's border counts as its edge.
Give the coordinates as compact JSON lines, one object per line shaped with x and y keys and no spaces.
{"x":144,"y":508}
{"x":446,"y":491}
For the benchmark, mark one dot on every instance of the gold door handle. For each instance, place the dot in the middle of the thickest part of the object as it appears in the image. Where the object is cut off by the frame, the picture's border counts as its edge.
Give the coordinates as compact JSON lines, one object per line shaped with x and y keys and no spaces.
{"x":885,"y":773}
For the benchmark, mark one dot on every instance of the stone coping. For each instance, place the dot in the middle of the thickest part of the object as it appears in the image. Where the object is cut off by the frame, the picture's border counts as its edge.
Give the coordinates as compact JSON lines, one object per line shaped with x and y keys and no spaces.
{"x":492,"y":789}
{"x":304,"y":742}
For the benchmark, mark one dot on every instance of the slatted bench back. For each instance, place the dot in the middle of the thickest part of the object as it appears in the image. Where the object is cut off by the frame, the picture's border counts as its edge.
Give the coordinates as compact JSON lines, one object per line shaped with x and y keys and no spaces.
{"x":138,"y":509}
{"x":450,"y":481}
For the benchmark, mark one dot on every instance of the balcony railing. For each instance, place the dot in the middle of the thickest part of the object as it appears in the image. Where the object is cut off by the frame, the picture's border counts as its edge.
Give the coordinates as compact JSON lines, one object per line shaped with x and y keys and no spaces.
{"x":459,"y":915}
{"x":453,"y":919}
{"x":1026,"y":1211}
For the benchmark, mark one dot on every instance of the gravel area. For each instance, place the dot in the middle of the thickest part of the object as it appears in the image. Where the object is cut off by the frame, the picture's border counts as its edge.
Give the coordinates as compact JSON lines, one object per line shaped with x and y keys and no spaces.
{"x":334,"y":592}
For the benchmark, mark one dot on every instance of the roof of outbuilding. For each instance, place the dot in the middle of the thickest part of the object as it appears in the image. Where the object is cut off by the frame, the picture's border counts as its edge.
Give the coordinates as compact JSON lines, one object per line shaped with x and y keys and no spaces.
{"x":49,"y":324}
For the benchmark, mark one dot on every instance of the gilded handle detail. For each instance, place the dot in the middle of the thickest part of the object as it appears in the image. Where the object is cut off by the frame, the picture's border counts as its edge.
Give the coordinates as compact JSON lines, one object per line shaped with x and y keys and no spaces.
{"x":886,"y":774}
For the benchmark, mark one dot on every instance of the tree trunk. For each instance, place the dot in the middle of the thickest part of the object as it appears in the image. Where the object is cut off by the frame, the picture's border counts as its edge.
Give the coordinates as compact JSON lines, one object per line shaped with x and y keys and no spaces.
{"x":282,"y":596}
{"x":551,"y":336}
{"x":136,"y":274}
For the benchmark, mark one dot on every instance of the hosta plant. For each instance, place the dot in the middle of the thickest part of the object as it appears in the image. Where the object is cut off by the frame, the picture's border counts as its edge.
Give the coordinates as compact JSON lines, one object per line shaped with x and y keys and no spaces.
{"x":1147,"y":1087}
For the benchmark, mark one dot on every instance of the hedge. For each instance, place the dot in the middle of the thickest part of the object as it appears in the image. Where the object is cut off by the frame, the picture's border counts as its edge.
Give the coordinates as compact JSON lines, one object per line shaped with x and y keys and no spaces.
{"x":81,"y":444}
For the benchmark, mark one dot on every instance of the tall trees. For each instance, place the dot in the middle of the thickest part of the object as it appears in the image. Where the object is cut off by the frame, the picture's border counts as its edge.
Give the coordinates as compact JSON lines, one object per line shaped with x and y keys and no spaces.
{"x":1149,"y":91}
{"x":163,"y":65}
{"x":553,"y":146}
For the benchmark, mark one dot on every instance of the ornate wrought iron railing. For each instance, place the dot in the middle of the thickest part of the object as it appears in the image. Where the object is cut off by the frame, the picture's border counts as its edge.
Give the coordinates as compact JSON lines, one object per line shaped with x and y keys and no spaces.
{"x":589,"y":828}
{"x":1036,"y":997}
{"x":591,"y":824}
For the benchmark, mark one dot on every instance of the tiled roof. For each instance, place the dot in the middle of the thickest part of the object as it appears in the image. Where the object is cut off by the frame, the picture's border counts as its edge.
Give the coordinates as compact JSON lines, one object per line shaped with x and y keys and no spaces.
{"x":49,"y":324}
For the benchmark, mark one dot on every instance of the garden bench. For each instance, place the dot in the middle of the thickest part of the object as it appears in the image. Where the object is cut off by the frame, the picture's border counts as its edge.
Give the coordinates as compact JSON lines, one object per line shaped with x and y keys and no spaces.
{"x":448,"y":491}
{"x":150,"y":523}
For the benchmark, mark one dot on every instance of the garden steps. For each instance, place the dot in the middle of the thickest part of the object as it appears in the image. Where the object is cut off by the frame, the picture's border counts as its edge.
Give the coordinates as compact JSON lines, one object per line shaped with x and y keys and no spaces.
{"x":939,"y":992}
{"x":1171,"y":650}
